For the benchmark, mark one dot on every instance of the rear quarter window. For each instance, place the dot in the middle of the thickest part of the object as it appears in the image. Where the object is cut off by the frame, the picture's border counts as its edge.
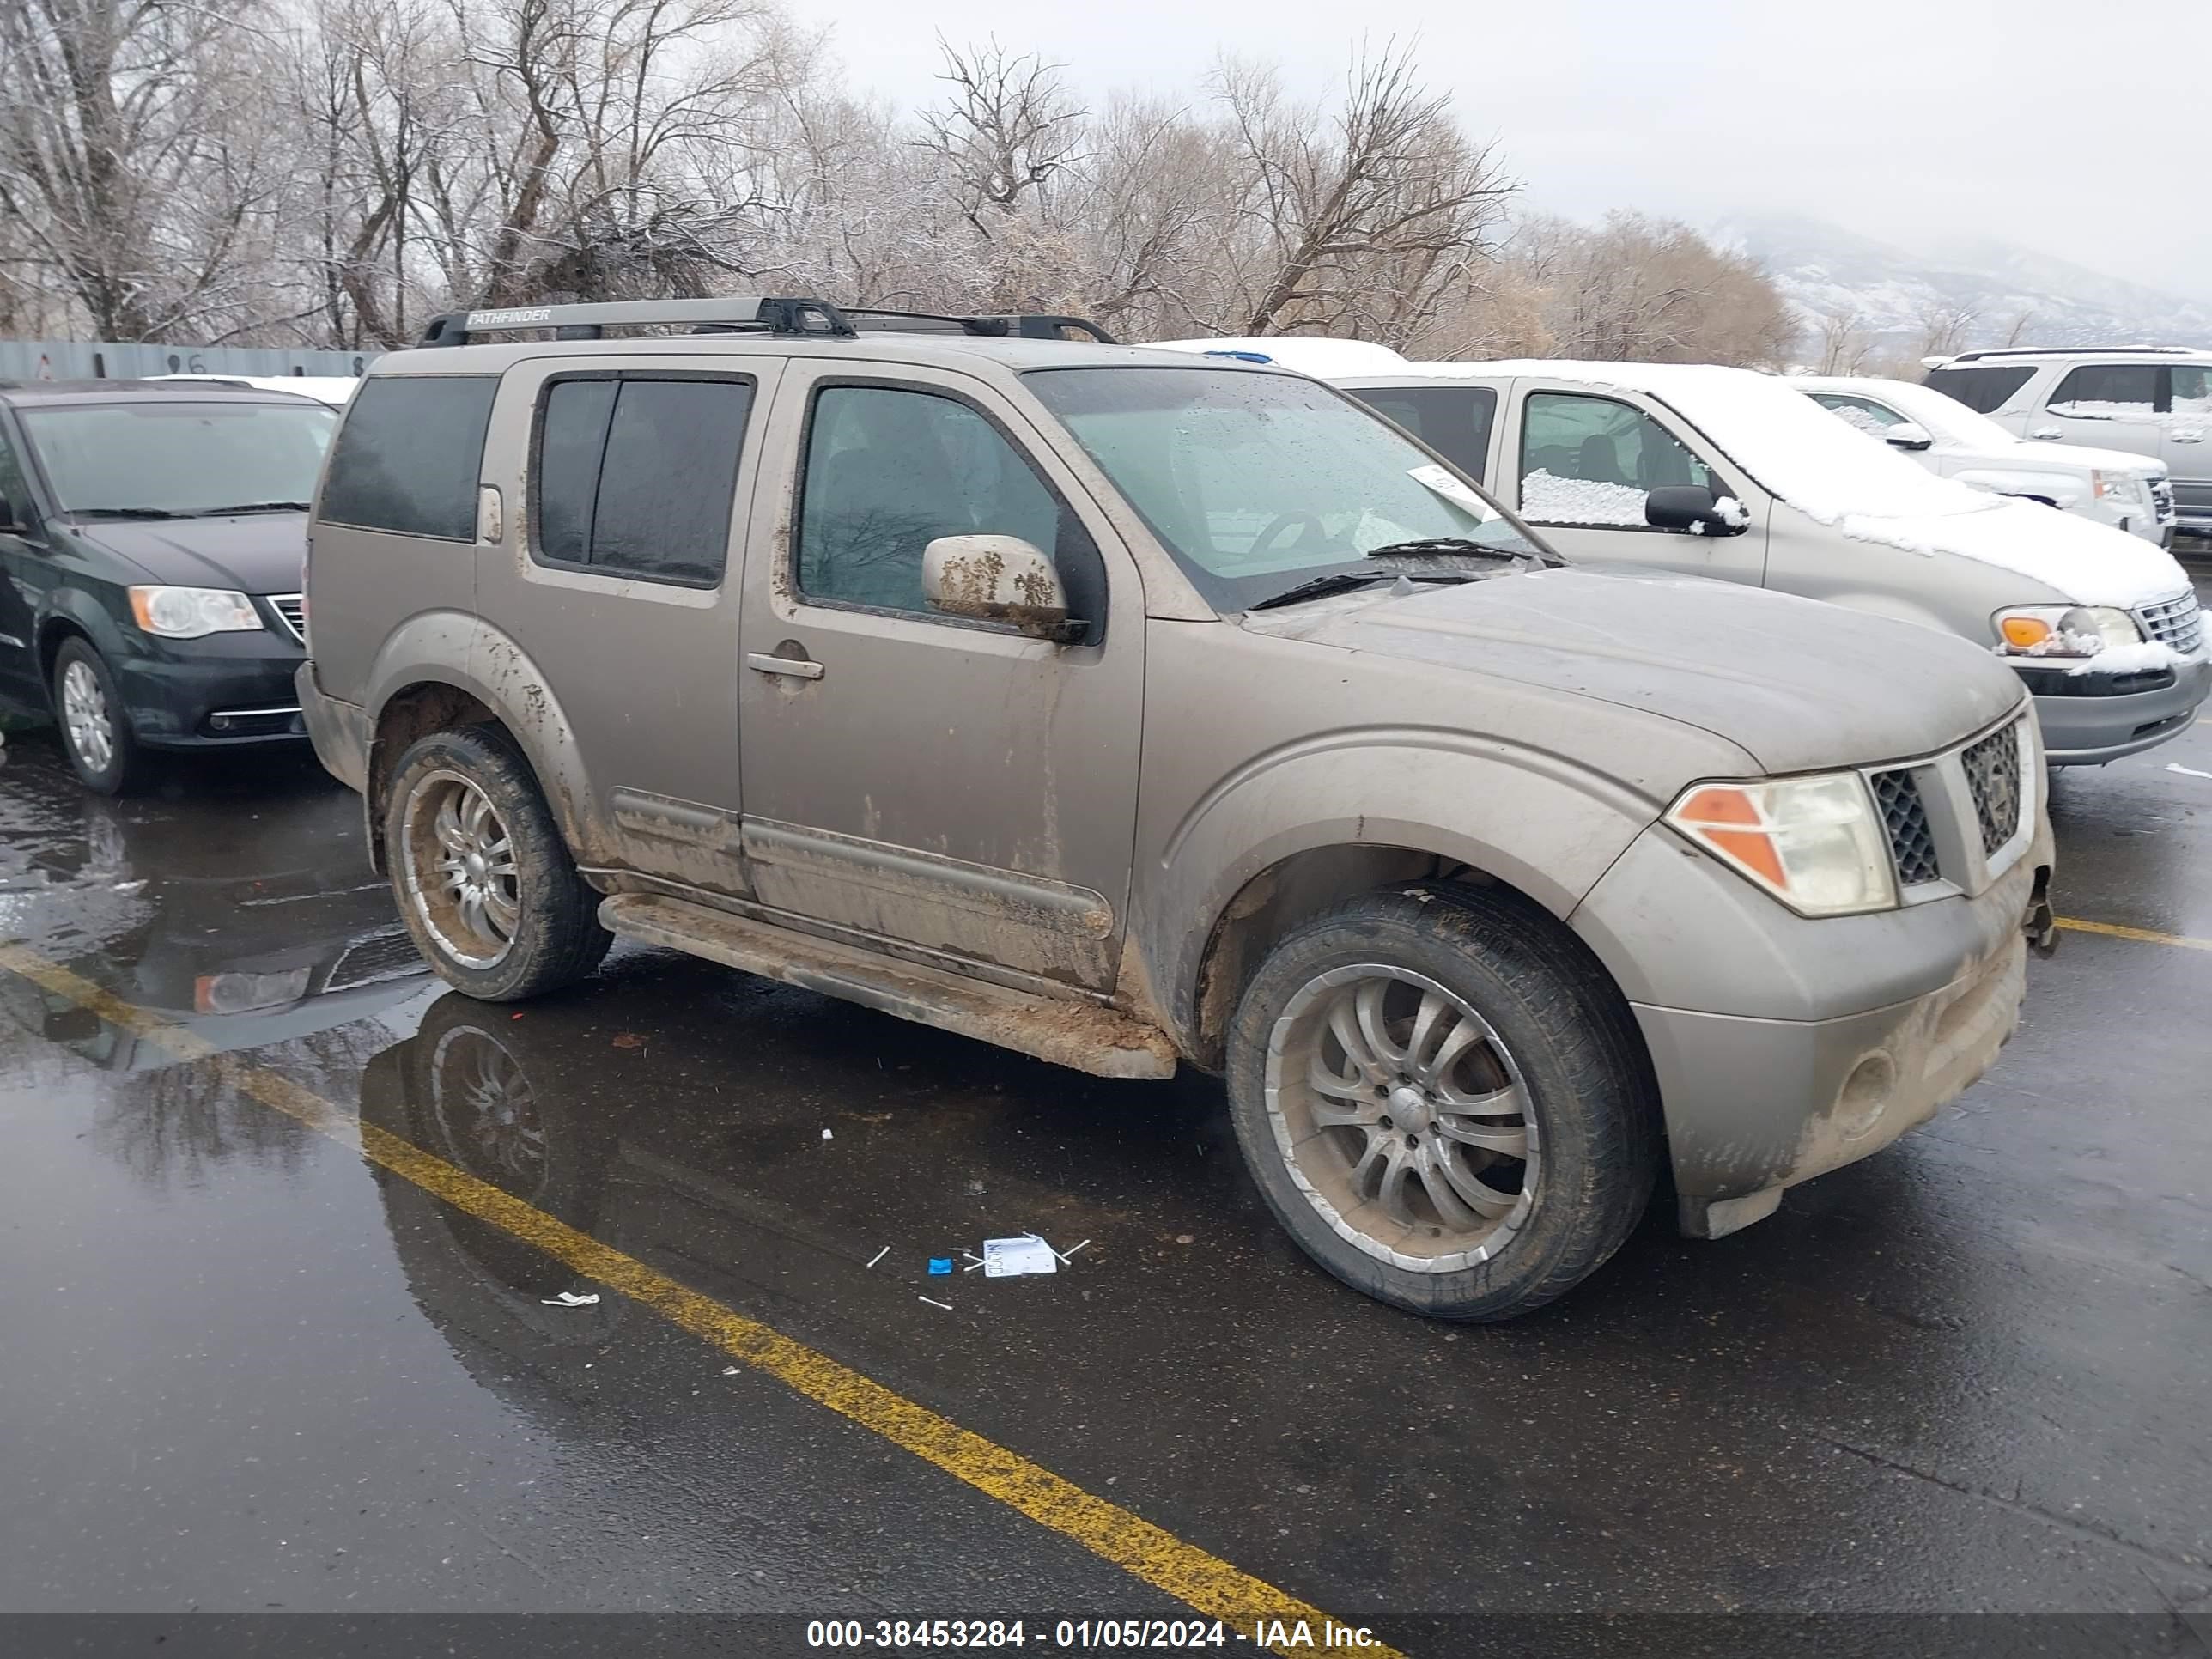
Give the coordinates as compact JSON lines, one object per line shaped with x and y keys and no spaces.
{"x":410,"y":455}
{"x":1981,"y":389}
{"x":1454,"y":421}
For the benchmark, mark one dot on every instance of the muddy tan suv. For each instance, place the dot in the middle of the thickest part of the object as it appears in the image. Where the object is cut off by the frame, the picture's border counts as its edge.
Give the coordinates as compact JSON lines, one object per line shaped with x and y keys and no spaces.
{"x":1128,"y":708}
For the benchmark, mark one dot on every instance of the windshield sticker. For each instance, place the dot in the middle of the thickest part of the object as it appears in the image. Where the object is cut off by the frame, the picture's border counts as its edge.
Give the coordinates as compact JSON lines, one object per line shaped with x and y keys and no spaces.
{"x":1441,"y":480}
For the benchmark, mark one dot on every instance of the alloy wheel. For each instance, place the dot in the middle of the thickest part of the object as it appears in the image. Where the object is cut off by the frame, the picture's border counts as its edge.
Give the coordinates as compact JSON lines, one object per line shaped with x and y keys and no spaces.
{"x":458,"y":870}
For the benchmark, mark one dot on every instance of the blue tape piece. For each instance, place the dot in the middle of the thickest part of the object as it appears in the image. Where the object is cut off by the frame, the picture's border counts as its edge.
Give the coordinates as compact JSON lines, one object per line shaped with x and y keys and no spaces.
{"x":941,"y":1264}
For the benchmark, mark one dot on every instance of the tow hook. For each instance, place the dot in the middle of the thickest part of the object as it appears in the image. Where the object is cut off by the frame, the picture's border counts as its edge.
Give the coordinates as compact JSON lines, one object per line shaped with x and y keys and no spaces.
{"x":2040,"y":926}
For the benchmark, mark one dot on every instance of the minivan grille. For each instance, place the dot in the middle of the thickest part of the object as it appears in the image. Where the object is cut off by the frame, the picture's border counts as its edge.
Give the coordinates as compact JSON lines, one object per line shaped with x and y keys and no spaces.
{"x":2178,"y":622}
{"x":1904,"y":814}
{"x":1993,"y":769}
{"x":292,"y":611}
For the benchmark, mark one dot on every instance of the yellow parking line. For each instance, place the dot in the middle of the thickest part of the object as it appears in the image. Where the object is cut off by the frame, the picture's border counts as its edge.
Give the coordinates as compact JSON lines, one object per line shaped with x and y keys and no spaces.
{"x":1191,"y":1575}
{"x":2144,"y":935}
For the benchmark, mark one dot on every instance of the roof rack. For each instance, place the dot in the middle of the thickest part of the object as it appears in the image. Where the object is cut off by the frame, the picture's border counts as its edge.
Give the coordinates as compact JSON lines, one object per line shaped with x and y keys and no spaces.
{"x":2038,"y":351}
{"x":741,"y":314}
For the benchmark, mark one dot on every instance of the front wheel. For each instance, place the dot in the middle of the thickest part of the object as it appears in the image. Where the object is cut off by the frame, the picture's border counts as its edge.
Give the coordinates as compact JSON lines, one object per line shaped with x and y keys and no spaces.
{"x":1442,"y":1099}
{"x":485,"y":882}
{"x":96,"y":734}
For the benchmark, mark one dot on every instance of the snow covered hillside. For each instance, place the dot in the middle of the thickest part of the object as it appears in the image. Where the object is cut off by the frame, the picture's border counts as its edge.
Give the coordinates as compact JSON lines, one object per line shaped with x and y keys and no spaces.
{"x":1900,"y":296}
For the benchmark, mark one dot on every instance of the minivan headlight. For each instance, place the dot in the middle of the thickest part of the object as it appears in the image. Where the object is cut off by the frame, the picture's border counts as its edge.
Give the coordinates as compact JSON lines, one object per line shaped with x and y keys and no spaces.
{"x":190,"y":613}
{"x":1816,"y":843}
{"x":2064,"y":630}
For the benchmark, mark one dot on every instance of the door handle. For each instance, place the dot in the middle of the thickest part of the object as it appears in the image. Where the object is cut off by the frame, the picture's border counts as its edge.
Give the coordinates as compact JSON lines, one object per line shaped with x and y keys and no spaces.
{"x":797,"y":667}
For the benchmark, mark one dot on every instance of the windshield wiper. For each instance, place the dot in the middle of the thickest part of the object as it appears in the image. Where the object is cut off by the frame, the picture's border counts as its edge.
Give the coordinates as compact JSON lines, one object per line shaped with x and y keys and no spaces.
{"x":253,"y":507}
{"x":1451,"y":546}
{"x":1335,"y":581}
{"x":125,"y":512}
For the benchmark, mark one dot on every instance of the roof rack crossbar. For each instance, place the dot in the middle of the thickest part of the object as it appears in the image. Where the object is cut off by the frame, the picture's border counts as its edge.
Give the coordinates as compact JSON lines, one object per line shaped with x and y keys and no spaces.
{"x":1024,"y":325}
{"x":741,"y":313}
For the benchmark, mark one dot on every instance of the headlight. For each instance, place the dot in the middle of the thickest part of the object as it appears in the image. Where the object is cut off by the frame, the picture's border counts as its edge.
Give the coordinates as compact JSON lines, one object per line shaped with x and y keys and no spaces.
{"x":2064,"y":630}
{"x":1816,"y":843}
{"x":188,"y":613}
{"x":2120,"y":486}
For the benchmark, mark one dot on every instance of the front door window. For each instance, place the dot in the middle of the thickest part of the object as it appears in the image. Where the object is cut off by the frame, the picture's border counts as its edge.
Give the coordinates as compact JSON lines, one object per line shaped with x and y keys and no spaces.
{"x":1587,"y":461}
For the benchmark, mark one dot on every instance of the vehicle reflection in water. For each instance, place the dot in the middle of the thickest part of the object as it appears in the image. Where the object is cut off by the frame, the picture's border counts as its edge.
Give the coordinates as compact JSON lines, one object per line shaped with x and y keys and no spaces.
{"x":240,"y":908}
{"x":676,"y":1113}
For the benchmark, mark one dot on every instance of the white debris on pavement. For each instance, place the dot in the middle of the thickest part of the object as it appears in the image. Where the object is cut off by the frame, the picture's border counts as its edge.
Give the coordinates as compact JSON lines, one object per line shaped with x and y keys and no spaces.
{"x":1006,"y":1258}
{"x":571,"y":1299}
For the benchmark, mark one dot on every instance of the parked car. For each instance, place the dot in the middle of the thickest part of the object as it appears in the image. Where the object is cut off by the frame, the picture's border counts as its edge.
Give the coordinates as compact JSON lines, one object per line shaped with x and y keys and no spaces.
{"x":331,"y":389}
{"x":1726,"y":473}
{"x":152,"y":538}
{"x":2153,"y":401}
{"x":2128,"y":492}
{"x":1123,"y":708}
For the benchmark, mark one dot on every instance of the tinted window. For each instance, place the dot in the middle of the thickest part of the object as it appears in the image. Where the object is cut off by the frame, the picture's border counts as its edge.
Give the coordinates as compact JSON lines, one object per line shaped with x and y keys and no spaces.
{"x":1454,"y":421}
{"x":15,"y":488}
{"x":410,"y":454}
{"x":1981,"y":389}
{"x":888,"y":471}
{"x":1591,"y":460}
{"x":636,"y":476}
{"x":2192,"y":389}
{"x":2109,"y":390}
{"x":180,"y":456}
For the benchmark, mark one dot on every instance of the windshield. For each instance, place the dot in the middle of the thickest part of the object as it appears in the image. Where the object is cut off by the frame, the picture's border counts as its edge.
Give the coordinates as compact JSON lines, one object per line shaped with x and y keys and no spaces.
{"x":1258,"y":483}
{"x":173,"y":457}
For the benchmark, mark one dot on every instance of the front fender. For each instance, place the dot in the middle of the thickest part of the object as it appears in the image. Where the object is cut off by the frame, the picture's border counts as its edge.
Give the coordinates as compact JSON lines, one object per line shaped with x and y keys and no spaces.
{"x":1523,"y":815}
{"x":452,"y":648}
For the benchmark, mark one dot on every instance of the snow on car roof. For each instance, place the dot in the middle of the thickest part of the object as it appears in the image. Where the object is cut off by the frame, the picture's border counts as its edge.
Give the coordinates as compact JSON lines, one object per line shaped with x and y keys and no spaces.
{"x":1307,"y":353}
{"x":1803,"y":454}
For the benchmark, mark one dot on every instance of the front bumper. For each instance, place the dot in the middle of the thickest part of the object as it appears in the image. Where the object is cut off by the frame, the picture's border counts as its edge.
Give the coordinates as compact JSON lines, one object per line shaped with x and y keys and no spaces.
{"x":2082,"y":726}
{"x":225,"y":698}
{"x":338,"y":730}
{"x":1784,"y":1046}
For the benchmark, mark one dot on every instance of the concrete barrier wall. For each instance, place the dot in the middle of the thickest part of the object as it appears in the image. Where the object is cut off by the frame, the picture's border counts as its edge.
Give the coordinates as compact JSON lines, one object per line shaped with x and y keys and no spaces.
{"x":101,"y":360}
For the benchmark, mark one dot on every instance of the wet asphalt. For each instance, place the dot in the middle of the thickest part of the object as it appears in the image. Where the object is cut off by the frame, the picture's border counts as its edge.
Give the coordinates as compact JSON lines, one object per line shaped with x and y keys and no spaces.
{"x":242,"y":1369}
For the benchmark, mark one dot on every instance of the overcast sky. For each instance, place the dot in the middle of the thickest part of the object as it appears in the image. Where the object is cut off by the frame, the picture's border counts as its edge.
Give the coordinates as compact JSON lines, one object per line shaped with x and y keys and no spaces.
{"x":2080,"y":128}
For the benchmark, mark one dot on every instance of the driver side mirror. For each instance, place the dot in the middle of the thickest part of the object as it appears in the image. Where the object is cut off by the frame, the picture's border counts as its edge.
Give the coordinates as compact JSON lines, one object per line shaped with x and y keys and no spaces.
{"x":1694,"y":507}
{"x":997,"y":579}
{"x":1908,"y":434}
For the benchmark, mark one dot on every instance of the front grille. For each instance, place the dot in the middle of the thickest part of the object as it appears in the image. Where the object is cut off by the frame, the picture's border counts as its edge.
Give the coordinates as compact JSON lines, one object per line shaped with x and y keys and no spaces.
{"x":386,"y":955}
{"x":1904,"y":814}
{"x":1993,"y":769}
{"x":291,"y":610}
{"x":2177,"y":621}
{"x":2161,"y":499}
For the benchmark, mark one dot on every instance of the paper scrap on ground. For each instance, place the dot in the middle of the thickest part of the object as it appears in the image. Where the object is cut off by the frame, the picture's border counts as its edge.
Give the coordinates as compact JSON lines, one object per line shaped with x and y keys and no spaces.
{"x":2188,"y":771}
{"x":570,"y":1299}
{"x":1003,"y":1258}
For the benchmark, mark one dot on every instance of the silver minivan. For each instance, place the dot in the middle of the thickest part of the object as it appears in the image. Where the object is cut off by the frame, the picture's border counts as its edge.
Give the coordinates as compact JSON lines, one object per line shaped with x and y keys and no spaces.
{"x":1728,"y":473}
{"x":1130,"y":710}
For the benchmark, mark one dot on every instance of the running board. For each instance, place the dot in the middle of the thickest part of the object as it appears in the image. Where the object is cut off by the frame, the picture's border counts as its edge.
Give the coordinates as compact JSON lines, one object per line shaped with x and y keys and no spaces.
{"x":1080,"y":1035}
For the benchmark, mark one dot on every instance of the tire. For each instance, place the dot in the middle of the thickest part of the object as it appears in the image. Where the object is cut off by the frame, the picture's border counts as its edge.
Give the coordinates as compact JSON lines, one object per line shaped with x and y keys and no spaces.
{"x":1403,"y":1192}
{"x":95,"y":729}
{"x":518,"y":922}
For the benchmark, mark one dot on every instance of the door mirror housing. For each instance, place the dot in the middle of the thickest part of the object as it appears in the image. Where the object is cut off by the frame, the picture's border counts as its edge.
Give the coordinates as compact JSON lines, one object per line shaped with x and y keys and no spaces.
{"x":1695,"y":509}
{"x":997,"y":579}
{"x":1908,"y":434}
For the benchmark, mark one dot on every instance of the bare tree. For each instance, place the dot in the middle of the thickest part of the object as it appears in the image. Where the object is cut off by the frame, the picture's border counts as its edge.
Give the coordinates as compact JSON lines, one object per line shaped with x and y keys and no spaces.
{"x":1846,"y":347}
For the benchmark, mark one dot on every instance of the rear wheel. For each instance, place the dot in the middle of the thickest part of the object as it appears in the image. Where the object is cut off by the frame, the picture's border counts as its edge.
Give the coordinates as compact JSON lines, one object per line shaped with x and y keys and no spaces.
{"x":1442,"y":1098}
{"x":95,"y":731}
{"x":485,"y":882}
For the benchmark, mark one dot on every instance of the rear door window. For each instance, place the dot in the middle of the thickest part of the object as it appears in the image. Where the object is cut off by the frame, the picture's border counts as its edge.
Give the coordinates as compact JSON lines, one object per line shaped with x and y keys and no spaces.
{"x":1983,"y":388}
{"x":410,"y":455}
{"x":636,"y":474}
{"x":1588,"y":460}
{"x":2107,"y":391}
{"x":1455,"y":421}
{"x":2192,"y":389}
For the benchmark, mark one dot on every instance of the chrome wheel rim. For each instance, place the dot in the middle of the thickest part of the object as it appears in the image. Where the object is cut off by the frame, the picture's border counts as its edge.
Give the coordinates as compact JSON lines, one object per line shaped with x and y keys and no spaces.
{"x":458,"y":870}
{"x":85,"y":717}
{"x":1402,"y":1118}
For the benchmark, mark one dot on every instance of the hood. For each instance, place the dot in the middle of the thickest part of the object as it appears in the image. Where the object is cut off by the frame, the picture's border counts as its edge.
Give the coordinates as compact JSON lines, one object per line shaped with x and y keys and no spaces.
{"x":1798,"y":684}
{"x":257,"y":553}
{"x":2081,"y":561}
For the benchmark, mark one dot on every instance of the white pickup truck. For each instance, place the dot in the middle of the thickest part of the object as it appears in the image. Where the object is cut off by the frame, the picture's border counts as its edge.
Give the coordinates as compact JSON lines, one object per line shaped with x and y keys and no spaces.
{"x":2129,"y":492}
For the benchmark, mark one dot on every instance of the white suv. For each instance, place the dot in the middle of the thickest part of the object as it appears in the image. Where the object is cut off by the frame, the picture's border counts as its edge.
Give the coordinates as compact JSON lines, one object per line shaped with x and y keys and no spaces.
{"x":2129,"y":492}
{"x":2154,"y":401}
